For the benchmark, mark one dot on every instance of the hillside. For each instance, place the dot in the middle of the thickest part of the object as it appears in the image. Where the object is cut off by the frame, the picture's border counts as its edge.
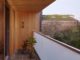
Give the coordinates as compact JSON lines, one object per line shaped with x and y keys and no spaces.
{"x":66,"y":30}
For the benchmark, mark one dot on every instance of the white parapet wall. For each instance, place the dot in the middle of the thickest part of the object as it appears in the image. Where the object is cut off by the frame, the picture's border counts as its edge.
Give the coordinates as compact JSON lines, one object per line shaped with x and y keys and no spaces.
{"x":50,"y":50}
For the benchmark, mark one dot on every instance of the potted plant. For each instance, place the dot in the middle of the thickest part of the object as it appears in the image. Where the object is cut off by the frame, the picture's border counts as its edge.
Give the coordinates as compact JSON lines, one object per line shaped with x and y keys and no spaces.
{"x":27,"y":47}
{"x":31,"y":42}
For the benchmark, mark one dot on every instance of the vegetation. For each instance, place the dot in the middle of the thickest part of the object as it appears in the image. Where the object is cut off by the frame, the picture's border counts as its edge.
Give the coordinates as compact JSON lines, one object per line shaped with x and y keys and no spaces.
{"x":58,"y":17}
{"x":70,"y":36}
{"x":27,"y":47}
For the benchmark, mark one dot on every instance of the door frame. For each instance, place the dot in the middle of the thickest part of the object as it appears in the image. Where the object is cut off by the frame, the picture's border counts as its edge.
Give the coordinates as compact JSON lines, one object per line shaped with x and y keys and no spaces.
{"x":7,"y":29}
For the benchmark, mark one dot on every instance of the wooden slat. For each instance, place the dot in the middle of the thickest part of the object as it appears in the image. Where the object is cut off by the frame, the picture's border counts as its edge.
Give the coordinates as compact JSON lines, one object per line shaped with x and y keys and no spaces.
{"x":1,"y":4}
{"x":31,"y":23}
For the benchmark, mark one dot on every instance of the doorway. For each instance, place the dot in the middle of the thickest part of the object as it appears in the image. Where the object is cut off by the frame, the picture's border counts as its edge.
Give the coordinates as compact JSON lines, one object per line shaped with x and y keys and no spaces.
{"x":7,"y":29}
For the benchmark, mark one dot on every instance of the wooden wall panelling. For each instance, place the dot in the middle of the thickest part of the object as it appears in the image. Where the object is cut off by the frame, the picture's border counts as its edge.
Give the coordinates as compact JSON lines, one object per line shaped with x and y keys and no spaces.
{"x":12,"y":31}
{"x":18,"y":34}
{"x":31,"y":23}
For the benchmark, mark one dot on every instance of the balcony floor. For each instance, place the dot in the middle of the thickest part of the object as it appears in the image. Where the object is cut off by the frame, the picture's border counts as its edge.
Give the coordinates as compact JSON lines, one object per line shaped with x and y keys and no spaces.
{"x":20,"y":57}
{"x":24,"y":57}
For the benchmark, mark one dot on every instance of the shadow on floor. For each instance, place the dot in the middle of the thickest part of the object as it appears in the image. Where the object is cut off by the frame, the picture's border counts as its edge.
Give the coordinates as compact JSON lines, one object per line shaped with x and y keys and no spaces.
{"x":26,"y":56}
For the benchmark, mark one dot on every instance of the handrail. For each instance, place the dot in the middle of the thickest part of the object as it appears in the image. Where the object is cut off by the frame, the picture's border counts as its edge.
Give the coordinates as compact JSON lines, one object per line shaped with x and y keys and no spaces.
{"x":61,"y":43}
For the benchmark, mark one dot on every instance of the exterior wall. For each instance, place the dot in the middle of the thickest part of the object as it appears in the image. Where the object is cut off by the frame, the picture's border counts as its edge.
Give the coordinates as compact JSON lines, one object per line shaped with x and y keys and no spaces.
{"x":22,"y":25}
{"x":12,"y":31}
{"x":59,"y":25}
{"x":26,"y":24}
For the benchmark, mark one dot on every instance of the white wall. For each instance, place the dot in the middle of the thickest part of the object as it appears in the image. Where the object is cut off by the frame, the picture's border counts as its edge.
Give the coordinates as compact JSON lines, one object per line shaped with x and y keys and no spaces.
{"x":50,"y":50}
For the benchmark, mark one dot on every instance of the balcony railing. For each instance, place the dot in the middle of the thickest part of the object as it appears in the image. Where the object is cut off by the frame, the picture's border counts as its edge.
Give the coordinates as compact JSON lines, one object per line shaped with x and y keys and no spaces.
{"x":48,"y":48}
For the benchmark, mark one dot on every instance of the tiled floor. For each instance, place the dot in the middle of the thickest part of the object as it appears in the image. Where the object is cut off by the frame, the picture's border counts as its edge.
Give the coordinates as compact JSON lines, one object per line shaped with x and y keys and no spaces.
{"x":24,"y":57}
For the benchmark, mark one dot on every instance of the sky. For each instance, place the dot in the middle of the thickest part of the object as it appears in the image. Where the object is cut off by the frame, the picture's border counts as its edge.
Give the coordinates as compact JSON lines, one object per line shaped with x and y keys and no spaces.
{"x":71,"y":7}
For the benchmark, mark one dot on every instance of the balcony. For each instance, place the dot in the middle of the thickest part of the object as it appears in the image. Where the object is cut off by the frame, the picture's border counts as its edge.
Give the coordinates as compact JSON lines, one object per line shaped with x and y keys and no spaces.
{"x":48,"y":48}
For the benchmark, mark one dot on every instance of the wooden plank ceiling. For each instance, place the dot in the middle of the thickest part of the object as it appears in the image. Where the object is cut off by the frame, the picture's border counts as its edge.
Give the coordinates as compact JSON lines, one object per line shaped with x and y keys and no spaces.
{"x":29,"y":5}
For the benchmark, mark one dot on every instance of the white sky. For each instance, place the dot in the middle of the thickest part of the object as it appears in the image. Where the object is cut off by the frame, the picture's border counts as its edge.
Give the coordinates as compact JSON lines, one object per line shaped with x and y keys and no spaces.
{"x":71,"y":7}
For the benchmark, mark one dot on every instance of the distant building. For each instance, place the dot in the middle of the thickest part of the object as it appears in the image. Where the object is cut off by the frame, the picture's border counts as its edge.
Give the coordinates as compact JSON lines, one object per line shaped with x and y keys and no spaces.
{"x":59,"y":23}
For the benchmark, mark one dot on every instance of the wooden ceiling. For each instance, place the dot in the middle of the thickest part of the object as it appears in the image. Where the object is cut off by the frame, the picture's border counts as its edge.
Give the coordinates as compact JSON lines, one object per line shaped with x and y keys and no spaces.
{"x":29,"y":5}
